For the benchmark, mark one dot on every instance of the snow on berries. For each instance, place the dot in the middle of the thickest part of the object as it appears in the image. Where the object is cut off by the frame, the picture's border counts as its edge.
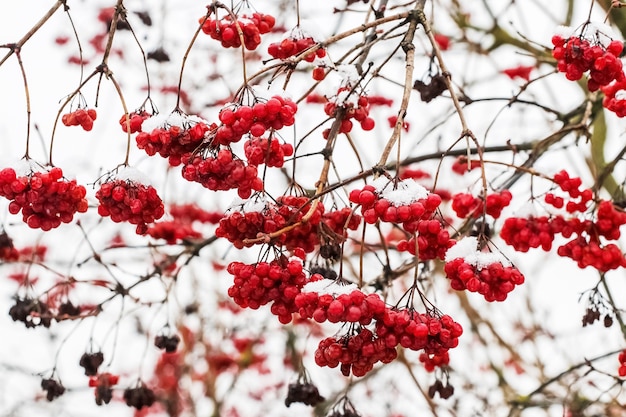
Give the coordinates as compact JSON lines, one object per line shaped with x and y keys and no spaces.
{"x":323,"y":300}
{"x":394,"y":201}
{"x":80,"y":117}
{"x":125,"y":199}
{"x":226,"y":30}
{"x":44,"y":198}
{"x":260,"y":217}
{"x":240,"y":119}
{"x":172,"y":135}
{"x":487,"y":273}
{"x":221,"y":170}
{"x":277,"y":282}
{"x":591,"y":51}
{"x":358,"y":111}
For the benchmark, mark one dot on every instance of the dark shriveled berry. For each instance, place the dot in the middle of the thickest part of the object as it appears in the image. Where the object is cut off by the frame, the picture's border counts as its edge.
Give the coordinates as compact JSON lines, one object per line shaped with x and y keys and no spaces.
{"x":53,"y":388}
{"x":167,"y":343}
{"x":139,"y":397}
{"x":91,"y":362}
{"x":305,"y":393}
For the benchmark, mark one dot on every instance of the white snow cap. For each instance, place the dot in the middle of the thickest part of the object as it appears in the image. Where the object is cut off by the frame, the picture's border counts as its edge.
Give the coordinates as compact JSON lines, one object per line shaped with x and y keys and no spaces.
{"x":132,"y":174}
{"x":594,"y":32}
{"x":467,"y":248}
{"x":254,"y":204}
{"x":326,"y":286}
{"x":403,"y":193}
{"x":173,"y":119}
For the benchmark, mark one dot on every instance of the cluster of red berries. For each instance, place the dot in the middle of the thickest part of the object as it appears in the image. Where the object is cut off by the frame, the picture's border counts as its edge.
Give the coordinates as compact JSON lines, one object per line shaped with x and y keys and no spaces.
{"x":432,"y":362}
{"x":524,"y":233}
{"x":173,"y":231}
{"x":461,"y":165}
{"x":588,"y":251}
{"x":189,"y":213}
{"x":80,"y":117}
{"x":222,"y":172}
{"x":127,"y":200}
{"x":135,"y":120}
{"x":275,"y":113}
{"x":576,"y":55}
{"x":45,"y":199}
{"x":354,"y":307}
{"x":615,"y":98}
{"x":433,"y":241}
{"x":226,"y":30}
{"x":493,"y":281}
{"x":278,"y":282}
{"x":465,"y":204}
{"x":238,"y":226}
{"x":270,"y":152}
{"x":374,"y":206}
{"x":434,"y":334}
{"x":571,"y":185}
{"x":358,"y":111}
{"x":356,"y":353}
{"x":292,"y":46}
{"x":338,"y":221}
{"x":585,"y":248}
{"x":621,"y":371}
{"x":172,"y":142}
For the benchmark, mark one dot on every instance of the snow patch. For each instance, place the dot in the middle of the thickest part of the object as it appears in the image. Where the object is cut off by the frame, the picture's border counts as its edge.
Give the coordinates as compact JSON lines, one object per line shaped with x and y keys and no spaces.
{"x":326,"y":286}
{"x":467,"y":249}
{"x":403,"y":193}
{"x":164,"y":121}
{"x":132,"y":174}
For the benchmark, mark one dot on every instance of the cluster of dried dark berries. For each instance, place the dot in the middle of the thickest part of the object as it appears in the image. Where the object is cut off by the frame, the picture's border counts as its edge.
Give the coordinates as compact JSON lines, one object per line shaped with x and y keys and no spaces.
{"x":53,"y":388}
{"x":303,"y":392}
{"x":91,"y":362}
{"x":31,"y":312}
{"x":167,"y":343}
{"x":139,"y":397}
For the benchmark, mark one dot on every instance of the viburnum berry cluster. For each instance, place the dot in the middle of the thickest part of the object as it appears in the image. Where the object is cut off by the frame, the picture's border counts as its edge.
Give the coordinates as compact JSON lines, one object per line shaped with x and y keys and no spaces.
{"x":227,"y":31}
{"x":358,"y":111}
{"x":134,"y":121}
{"x":172,"y":136}
{"x":466,"y":205}
{"x":576,"y":55}
{"x":268,"y":151}
{"x":277,"y":282}
{"x":220,"y":171}
{"x":292,"y":46}
{"x":405,"y":202}
{"x":351,"y":306}
{"x":80,"y":117}
{"x":487,"y":273}
{"x":432,"y":241}
{"x":45,"y":198}
{"x":587,"y":246}
{"x":260,"y":217}
{"x":127,"y":200}
{"x":355,"y":352}
{"x":434,"y":334}
{"x":240,"y":119}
